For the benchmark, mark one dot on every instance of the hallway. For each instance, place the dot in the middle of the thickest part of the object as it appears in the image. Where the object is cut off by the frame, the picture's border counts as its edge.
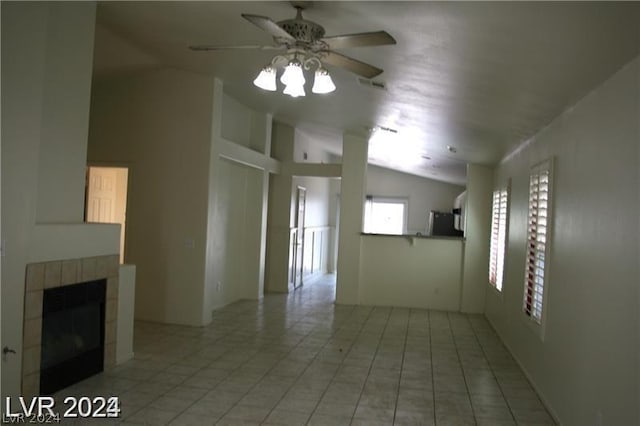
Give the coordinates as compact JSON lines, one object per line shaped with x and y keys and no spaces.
{"x":299,"y":359}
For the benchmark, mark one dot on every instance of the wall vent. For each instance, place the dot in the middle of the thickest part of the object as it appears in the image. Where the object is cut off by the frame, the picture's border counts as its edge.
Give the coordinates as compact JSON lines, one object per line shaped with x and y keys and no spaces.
{"x":370,"y":83}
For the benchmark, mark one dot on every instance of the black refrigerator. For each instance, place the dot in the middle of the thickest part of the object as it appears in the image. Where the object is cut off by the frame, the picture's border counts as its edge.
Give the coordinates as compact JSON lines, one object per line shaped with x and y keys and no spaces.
{"x":441,"y":224}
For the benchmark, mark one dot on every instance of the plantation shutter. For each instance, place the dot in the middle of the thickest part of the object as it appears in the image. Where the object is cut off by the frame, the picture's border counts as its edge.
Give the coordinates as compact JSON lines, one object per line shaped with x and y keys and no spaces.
{"x":498,"y":237}
{"x":495,"y":225}
{"x":537,"y":234}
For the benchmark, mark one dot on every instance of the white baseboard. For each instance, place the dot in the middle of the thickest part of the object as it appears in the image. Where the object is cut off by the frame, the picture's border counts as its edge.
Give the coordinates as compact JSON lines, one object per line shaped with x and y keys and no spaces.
{"x":543,"y":399}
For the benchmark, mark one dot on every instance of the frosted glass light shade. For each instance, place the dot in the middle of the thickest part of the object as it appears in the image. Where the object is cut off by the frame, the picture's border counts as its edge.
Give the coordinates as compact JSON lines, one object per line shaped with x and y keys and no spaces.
{"x":293,"y":74}
{"x":322,"y":82}
{"x":266,"y":79}
{"x":294,"y":90}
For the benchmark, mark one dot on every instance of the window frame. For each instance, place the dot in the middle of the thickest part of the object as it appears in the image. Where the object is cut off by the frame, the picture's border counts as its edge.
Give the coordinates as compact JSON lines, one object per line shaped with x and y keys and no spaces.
{"x":391,"y":200}
{"x":538,"y":324}
{"x":503,"y":192}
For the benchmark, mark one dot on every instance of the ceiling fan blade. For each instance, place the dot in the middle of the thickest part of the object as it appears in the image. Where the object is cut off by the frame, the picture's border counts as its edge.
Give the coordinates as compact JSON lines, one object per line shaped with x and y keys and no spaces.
{"x":266,"y":24}
{"x":350,"y":64}
{"x":376,"y":38}
{"x":207,"y":48}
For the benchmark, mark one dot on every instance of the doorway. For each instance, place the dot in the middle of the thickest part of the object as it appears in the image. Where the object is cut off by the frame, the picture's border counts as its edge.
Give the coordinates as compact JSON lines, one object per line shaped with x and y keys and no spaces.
{"x":106,"y":198}
{"x":297,"y":239}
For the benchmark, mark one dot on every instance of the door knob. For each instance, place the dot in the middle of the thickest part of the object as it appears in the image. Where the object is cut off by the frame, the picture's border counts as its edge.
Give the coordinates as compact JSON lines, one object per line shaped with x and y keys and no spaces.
{"x":7,"y":350}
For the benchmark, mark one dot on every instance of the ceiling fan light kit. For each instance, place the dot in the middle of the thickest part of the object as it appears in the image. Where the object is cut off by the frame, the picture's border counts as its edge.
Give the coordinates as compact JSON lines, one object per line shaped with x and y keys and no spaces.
{"x":266,"y":80}
{"x":322,"y":82}
{"x":294,"y":91}
{"x":307,"y":46}
{"x":293,"y":75}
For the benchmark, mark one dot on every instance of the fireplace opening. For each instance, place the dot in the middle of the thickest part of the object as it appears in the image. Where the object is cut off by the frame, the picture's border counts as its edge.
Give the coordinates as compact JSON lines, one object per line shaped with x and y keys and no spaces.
{"x":72,"y":334}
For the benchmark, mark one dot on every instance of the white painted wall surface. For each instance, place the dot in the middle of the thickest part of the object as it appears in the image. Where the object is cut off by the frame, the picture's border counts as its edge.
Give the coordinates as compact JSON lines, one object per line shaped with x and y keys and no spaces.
{"x":72,"y":241}
{"x":62,"y":156}
{"x":317,"y":204}
{"x":117,"y":54}
{"x":236,"y":234}
{"x":318,"y":197}
{"x":126,"y":307}
{"x":279,"y":215}
{"x":423,"y":194}
{"x":353,"y":185}
{"x":477,"y":231}
{"x":159,"y":123}
{"x":317,"y":200}
{"x":236,"y":121}
{"x":243,"y":125}
{"x":586,"y":369}
{"x":30,"y":33}
{"x":411,"y":272}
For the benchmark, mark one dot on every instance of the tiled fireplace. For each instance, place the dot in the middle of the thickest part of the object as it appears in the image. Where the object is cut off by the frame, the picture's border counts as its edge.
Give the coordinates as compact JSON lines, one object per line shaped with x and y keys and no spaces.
{"x":55,"y":274}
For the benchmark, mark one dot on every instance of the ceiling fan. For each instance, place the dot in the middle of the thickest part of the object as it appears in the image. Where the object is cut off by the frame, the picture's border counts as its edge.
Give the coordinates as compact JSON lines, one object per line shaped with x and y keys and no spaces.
{"x":304,"y":44}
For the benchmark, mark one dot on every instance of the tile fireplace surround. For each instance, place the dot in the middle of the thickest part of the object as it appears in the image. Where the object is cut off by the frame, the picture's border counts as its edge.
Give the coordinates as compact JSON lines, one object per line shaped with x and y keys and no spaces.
{"x":60,"y":273}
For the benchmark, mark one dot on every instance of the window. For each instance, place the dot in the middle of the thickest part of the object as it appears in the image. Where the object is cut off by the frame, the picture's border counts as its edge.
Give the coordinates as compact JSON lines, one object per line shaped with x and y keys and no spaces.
{"x":498,"y":237}
{"x":385,"y":215}
{"x":537,"y":241}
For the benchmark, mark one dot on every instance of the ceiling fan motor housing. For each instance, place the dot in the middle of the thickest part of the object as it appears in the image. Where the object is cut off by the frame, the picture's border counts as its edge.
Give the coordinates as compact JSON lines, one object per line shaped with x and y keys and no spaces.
{"x":302,"y":30}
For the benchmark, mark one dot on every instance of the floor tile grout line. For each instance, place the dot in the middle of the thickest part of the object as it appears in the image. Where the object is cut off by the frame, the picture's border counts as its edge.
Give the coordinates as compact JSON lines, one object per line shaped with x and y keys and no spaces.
{"x":493,"y":374}
{"x":178,"y":385}
{"x":169,"y":390}
{"x":246,"y":393}
{"x":232,"y":371}
{"x":433,"y":378}
{"x":464,"y":377}
{"x":404,"y":350}
{"x":342,"y":363}
{"x":372,"y":362}
{"x":293,"y":332}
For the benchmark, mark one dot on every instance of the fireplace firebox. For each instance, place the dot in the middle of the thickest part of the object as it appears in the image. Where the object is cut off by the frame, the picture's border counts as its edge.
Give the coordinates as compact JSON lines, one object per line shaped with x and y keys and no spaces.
{"x":73,"y":334}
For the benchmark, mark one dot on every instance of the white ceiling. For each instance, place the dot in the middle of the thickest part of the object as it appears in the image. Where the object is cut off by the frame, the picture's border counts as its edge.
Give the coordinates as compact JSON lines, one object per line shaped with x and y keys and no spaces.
{"x":481,"y":77}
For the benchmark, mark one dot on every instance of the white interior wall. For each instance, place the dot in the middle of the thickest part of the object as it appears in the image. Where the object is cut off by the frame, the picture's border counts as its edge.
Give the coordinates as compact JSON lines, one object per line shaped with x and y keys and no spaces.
{"x":237,"y":233}
{"x":334,"y":222}
{"x":317,"y":201}
{"x":423,"y":194}
{"x":235,"y":267}
{"x":279,"y":211}
{"x":586,"y":368}
{"x":41,"y":110}
{"x":118,"y":54}
{"x":317,"y":205}
{"x":243,"y":125}
{"x":64,"y":122}
{"x":236,"y":119}
{"x":159,"y":123}
{"x":425,"y":273}
{"x":477,"y":230}
{"x":353,"y":191}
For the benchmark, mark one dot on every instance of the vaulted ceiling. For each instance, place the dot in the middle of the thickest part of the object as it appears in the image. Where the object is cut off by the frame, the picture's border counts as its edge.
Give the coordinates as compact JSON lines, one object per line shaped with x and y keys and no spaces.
{"x":479,"y":77}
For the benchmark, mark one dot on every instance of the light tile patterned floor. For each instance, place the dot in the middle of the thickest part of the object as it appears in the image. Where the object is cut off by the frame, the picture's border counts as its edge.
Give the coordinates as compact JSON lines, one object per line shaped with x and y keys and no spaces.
{"x":299,"y":359}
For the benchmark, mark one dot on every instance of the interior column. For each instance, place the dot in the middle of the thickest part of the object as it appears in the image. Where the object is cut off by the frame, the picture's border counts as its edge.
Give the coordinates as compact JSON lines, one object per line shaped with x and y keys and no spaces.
{"x":279,"y":220}
{"x":352,"y":194}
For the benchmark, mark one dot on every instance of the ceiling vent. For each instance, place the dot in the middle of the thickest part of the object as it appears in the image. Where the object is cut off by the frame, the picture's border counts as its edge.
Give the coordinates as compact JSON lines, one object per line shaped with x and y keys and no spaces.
{"x":386,"y":129}
{"x":370,"y":83}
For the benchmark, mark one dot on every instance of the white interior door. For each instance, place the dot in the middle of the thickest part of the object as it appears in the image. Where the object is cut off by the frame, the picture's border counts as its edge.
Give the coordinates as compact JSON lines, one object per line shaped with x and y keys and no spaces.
{"x":101,"y":196}
{"x":107,"y":198}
